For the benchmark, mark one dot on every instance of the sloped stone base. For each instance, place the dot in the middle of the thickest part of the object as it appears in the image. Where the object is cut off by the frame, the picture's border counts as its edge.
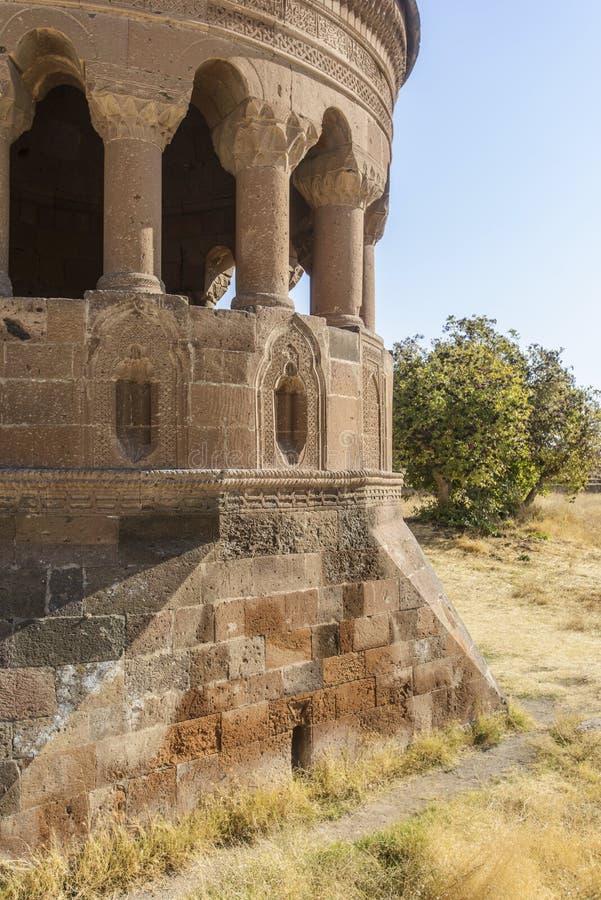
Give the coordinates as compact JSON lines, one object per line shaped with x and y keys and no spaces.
{"x":167,"y":633}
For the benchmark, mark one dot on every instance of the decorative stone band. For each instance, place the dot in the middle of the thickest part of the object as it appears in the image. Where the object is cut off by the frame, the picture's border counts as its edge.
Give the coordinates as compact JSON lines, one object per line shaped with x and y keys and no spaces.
{"x":376,"y":217}
{"x":345,"y":177}
{"x":252,"y":136}
{"x":132,"y":492}
{"x":119,"y":116}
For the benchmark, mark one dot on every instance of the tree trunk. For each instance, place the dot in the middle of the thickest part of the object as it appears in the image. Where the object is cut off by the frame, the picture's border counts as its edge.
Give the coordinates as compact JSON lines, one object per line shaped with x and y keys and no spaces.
{"x":443,"y":489}
{"x":532,"y":495}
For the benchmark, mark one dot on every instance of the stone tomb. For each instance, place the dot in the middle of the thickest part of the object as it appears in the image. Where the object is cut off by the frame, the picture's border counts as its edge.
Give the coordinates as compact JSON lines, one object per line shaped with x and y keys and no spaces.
{"x":205,"y":577}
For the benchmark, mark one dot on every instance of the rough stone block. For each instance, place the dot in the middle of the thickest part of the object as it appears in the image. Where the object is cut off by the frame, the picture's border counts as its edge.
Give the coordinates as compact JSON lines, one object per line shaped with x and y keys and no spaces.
{"x":209,"y":663}
{"x":265,"y":616}
{"x":432,"y":676}
{"x":387,"y":662}
{"x":151,"y":795}
{"x":302,"y":678}
{"x":229,"y":619}
{"x":370,"y":632}
{"x":355,"y":696}
{"x":65,"y":592}
{"x":246,"y":656}
{"x":26,"y":693}
{"x":244,"y":725}
{"x":325,"y":641}
{"x":196,"y":780}
{"x":56,"y":776}
{"x":148,"y":634}
{"x":157,"y":674}
{"x":340,"y":669}
{"x":189,"y":740}
{"x":301,"y":609}
{"x":60,"y":641}
{"x":287,"y":648}
{"x":10,"y":788}
{"x":193,"y":625}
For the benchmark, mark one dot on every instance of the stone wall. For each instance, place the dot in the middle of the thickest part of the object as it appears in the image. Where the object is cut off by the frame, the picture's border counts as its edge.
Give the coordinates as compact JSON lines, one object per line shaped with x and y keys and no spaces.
{"x":164,"y":635}
{"x":211,"y":378}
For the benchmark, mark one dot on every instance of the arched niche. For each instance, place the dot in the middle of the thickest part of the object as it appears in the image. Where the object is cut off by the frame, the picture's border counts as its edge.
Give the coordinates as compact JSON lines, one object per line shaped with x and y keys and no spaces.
{"x":56,"y":173}
{"x":372,"y":420}
{"x":291,"y":400}
{"x":199,"y":196}
{"x":137,"y":376}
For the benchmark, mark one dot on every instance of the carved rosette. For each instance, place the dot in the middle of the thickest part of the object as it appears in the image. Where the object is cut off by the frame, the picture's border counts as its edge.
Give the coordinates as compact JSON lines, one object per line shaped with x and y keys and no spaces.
{"x":345,"y":177}
{"x":253,"y":136}
{"x":120,"y":116}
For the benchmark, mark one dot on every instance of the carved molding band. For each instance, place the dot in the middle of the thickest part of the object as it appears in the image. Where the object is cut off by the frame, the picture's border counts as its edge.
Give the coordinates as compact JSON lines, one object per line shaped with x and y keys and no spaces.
{"x":118,"y":116}
{"x":252,"y":136}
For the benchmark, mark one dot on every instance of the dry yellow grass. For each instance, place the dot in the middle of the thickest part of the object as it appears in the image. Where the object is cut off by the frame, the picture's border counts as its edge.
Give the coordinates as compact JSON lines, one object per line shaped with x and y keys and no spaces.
{"x":537,"y":836}
{"x":121,"y":856}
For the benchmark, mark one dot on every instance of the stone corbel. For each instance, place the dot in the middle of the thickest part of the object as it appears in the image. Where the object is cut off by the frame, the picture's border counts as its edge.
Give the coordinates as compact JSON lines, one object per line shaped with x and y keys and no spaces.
{"x":117,"y":115}
{"x":341,"y":177}
{"x":376,"y":217}
{"x":252,"y":136}
{"x":17,"y":107}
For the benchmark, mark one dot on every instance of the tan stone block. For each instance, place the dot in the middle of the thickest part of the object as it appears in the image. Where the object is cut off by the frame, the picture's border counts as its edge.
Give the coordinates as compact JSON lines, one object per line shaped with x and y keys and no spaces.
{"x":158,"y":674}
{"x":246,"y":656}
{"x":336,"y":738}
{"x":151,"y":795}
{"x":220,"y":405}
{"x":345,"y":378}
{"x":330,"y":604}
{"x":266,"y":686}
{"x":260,"y":764}
{"x":325,"y":641}
{"x":40,"y":402}
{"x":74,"y":530}
{"x":58,"y":446}
{"x":222,"y":366}
{"x":394,"y":689}
{"x":189,"y":740}
{"x":66,"y":321}
{"x":419,"y":708}
{"x":26,"y":693}
{"x":380,"y":596}
{"x":196,"y":780}
{"x":229,"y":619}
{"x":25,"y":360}
{"x":55,"y":776}
{"x":427,"y":623}
{"x":287,"y":648}
{"x":433,"y":676}
{"x":148,"y":634}
{"x":403,"y":625}
{"x":225,"y":695}
{"x":340,"y":669}
{"x":16,"y":443}
{"x":370,"y":632}
{"x":302,"y":678}
{"x":301,"y":609}
{"x":355,"y":696}
{"x":209,"y":663}
{"x":265,"y":616}
{"x":230,"y":329}
{"x":244,"y":725}
{"x":388,"y":661}
{"x":119,"y":758}
{"x":193,"y":625}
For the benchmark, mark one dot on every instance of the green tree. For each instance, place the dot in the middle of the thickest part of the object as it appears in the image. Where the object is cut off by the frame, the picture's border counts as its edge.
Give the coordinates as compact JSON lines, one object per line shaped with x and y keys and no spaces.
{"x":461,"y":420}
{"x":565,"y":424}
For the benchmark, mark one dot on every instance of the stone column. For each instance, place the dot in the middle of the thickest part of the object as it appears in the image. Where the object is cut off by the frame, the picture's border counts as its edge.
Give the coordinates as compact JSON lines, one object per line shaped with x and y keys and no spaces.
{"x":135,"y":131}
{"x":375,"y":223}
{"x":16,"y":116}
{"x":261,"y":151}
{"x":339,"y":185}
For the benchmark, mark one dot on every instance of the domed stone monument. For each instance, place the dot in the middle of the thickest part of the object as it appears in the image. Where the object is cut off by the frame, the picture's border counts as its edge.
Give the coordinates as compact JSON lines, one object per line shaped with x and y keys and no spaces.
{"x":204,"y":572}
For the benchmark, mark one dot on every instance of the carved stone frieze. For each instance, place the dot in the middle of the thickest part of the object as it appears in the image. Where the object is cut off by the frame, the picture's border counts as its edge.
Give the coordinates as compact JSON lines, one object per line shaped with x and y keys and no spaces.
{"x":342,"y":177}
{"x":123,"y":116}
{"x":253,"y":136}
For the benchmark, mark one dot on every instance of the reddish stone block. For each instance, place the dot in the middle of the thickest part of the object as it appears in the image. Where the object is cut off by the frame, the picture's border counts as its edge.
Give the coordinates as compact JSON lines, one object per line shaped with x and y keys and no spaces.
{"x":244,"y":725}
{"x":301,"y":609}
{"x":355,"y":696}
{"x":265,"y":616}
{"x":388,"y":661}
{"x":340,"y":669}
{"x":371,"y":631}
{"x":432,"y":676}
{"x":151,"y":795}
{"x":288,"y":647}
{"x":189,"y":740}
{"x":346,"y":635}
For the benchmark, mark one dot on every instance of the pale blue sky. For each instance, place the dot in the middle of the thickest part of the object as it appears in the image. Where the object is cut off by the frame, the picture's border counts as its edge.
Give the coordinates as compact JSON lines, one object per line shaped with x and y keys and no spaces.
{"x":496,"y":180}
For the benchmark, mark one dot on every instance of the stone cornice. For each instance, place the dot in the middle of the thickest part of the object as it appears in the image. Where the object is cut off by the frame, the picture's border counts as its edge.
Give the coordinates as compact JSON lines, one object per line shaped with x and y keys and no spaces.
{"x":252,"y":136}
{"x":134,"y":492}
{"x":367,"y":48}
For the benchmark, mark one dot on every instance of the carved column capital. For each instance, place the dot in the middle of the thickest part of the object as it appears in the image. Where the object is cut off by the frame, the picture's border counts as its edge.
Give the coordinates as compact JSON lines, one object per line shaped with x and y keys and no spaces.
{"x":252,"y":136}
{"x":376,"y":217}
{"x":17,"y":107}
{"x":118,"y":116}
{"x":341,"y":177}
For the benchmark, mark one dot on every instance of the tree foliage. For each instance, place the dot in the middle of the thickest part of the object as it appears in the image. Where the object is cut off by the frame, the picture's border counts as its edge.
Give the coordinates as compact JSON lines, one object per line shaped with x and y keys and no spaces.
{"x":484,"y":426}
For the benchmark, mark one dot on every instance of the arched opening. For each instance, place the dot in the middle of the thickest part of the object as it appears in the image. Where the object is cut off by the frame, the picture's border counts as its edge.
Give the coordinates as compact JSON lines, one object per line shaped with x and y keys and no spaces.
{"x":291,"y":415}
{"x":199,"y":196}
{"x":56,"y":177}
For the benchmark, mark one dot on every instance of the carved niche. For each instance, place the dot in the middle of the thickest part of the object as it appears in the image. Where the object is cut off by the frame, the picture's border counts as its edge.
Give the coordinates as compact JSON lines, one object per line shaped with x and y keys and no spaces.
{"x":291,"y":401}
{"x":137,"y":374}
{"x":372,"y":417}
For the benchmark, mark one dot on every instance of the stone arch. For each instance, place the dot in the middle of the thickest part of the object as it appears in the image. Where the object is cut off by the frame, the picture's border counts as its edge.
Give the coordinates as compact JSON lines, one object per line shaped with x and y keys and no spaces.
{"x":199,"y":195}
{"x":56,"y":174}
{"x":291,"y":371}
{"x":136,"y":343}
{"x":335,"y":132}
{"x":22,"y":23}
